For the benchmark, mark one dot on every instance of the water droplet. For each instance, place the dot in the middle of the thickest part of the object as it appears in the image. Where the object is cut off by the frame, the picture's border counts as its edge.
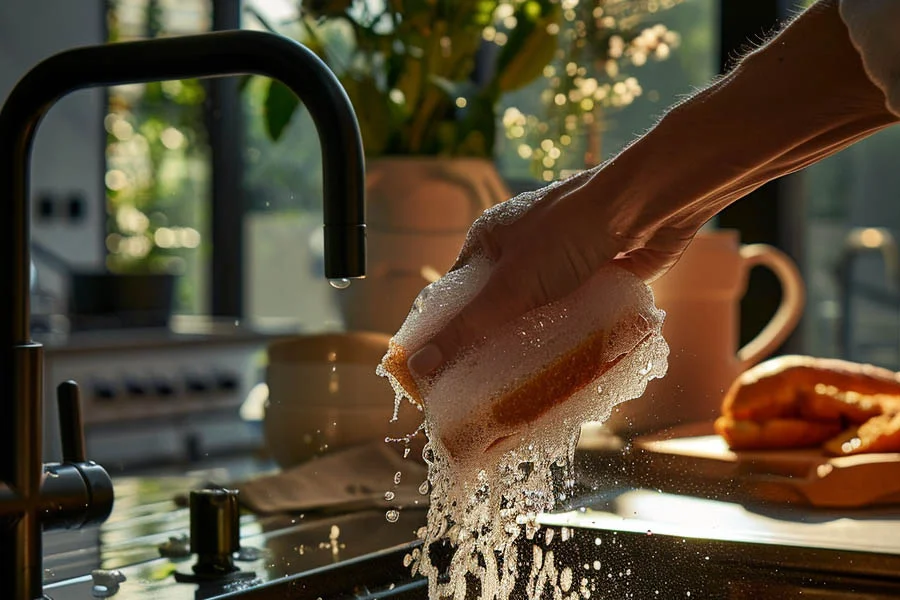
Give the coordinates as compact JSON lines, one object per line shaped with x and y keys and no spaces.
{"x":248,"y":554}
{"x":406,"y":452}
{"x":397,"y":478}
{"x":392,"y":516}
{"x":389,"y":496}
{"x":423,"y":489}
{"x":339,"y":283}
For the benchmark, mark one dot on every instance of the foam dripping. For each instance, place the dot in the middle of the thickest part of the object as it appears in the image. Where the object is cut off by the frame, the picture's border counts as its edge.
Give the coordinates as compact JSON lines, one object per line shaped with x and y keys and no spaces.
{"x":488,"y":482}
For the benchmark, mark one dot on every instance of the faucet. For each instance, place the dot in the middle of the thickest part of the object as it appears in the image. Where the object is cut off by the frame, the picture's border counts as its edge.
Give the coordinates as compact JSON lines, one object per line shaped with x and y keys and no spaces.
{"x":33,"y":496}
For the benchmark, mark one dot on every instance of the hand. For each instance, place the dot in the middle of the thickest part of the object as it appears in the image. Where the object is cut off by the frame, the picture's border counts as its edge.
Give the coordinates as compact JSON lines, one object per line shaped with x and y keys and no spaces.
{"x":773,"y":114}
{"x":544,"y":245}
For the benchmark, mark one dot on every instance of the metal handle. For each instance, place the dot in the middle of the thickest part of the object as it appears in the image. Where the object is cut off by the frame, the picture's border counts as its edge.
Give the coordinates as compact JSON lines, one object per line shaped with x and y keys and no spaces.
{"x":71,"y":427}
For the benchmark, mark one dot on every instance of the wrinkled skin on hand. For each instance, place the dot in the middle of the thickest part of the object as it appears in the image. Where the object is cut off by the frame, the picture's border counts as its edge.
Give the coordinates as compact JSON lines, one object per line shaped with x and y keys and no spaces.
{"x":559,"y":237}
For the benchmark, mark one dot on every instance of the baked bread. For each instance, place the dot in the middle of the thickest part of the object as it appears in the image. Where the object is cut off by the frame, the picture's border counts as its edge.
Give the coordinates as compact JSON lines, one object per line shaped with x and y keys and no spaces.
{"x":803,"y":401}
{"x":878,"y":434}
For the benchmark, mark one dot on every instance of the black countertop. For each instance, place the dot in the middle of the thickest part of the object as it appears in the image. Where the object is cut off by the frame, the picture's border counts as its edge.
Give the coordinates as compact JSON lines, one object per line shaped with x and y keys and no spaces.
{"x":642,"y":542}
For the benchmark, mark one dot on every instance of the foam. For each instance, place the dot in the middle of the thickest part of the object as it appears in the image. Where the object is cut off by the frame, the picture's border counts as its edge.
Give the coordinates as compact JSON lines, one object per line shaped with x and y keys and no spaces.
{"x":491,"y":475}
{"x":460,"y":398}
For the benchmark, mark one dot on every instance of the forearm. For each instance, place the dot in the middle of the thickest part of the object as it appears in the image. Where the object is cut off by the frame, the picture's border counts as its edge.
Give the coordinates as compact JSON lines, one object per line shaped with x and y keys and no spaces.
{"x":801,"y":97}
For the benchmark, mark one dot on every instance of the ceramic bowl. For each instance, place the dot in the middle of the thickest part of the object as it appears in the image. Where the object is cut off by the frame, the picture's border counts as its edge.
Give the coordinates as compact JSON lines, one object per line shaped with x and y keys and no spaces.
{"x":324,"y":395}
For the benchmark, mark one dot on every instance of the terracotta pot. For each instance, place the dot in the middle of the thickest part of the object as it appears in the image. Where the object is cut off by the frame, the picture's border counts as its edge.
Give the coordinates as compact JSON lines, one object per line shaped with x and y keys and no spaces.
{"x":418,"y":212}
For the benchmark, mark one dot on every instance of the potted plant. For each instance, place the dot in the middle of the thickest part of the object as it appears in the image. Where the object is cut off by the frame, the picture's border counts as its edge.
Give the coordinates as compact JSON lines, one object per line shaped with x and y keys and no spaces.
{"x":428,"y":79}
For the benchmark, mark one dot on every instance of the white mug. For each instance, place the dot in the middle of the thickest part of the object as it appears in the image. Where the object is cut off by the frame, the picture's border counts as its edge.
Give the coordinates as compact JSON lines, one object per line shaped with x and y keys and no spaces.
{"x":701,"y":295}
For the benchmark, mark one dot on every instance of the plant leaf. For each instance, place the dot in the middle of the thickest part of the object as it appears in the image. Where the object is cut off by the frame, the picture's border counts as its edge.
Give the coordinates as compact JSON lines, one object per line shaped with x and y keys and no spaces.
{"x":530,"y":46}
{"x":454,"y":89}
{"x":372,"y":113}
{"x":280,"y":105}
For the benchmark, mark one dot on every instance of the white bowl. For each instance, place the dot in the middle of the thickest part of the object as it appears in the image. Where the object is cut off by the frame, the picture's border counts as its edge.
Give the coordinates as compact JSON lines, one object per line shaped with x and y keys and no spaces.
{"x":324,"y":395}
{"x":297,"y":435}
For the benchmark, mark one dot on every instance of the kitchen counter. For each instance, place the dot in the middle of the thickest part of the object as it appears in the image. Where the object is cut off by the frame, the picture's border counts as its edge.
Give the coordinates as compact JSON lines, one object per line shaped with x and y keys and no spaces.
{"x":635,"y":541}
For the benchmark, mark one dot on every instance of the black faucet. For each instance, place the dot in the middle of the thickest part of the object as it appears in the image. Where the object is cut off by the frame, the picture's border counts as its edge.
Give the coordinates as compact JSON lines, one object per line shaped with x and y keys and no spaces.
{"x":36,"y":497}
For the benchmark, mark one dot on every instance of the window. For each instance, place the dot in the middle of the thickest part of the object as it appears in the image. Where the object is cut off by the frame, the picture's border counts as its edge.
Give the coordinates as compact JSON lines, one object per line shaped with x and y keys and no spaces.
{"x":158,"y":159}
{"x":283,"y":278}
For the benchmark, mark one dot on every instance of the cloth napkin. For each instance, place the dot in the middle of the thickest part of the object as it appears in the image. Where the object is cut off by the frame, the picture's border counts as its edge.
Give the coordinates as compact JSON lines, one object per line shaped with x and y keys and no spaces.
{"x":368,"y":476}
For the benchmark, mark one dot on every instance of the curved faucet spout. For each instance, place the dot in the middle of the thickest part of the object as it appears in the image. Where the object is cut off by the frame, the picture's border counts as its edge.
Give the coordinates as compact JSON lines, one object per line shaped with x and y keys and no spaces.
{"x":207,"y":55}
{"x":198,"y":56}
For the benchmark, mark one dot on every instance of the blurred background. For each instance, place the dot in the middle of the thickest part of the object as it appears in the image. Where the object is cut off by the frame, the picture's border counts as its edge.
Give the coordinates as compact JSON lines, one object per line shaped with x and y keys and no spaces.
{"x":211,"y":190}
{"x":146,"y":177}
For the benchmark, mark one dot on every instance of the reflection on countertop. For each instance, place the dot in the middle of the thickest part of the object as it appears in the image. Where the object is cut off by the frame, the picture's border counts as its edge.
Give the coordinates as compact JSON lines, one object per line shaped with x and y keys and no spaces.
{"x":635,"y":539}
{"x":149,"y":512}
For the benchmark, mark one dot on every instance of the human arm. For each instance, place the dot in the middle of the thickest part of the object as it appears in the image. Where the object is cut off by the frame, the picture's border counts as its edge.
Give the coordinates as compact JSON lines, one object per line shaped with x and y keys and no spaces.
{"x":797,"y":99}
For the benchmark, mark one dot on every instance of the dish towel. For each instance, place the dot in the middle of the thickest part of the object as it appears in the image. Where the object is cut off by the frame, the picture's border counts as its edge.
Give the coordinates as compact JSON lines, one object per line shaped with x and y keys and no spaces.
{"x":369,"y":476}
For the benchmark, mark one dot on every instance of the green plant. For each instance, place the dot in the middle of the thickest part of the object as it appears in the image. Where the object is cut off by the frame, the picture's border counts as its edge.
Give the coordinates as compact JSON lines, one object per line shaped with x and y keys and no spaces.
{"x":157,"y":178}
{"x":427,"y":76}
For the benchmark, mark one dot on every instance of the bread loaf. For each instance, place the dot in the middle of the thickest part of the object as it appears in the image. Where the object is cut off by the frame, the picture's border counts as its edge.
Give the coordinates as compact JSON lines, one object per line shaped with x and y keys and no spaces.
{"x":803,"y":401}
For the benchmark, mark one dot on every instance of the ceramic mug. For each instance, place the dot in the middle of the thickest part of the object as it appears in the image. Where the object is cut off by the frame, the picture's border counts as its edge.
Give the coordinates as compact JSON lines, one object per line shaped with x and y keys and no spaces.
{"x":701,"y":295}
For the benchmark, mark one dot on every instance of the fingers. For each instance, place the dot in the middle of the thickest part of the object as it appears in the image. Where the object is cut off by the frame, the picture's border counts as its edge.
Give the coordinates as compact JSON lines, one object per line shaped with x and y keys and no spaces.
{"x":536,"y":256}
{"x":496,"y":304}
{"x":648,"y":265}
{"x":660,"y":253}
{"x":485,"y":235}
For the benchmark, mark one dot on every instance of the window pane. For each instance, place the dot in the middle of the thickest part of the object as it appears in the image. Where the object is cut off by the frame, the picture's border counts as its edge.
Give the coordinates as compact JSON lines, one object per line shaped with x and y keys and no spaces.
{"x":283,"y":179}
{"x":638,"y":67}
{"x":158,"y":159}
{"x":853,"y":220}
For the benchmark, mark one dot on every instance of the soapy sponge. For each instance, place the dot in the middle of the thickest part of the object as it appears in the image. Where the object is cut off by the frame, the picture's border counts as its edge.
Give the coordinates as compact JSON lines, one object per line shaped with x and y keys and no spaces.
{"x":535,"y":379}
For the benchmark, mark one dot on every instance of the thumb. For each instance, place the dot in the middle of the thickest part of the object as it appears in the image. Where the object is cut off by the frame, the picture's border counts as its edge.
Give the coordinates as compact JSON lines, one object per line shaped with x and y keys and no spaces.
{"x":494,"y":305}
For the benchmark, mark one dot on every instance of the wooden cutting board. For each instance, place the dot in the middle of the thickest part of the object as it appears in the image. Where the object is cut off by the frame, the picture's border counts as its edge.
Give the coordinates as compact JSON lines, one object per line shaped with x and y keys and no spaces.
{"x":794,"y":476}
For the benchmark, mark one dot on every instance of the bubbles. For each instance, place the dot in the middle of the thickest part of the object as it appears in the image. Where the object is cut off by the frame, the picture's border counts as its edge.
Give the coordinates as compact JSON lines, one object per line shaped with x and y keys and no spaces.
{"x":388,"y":496}
{"x":105,"y":583}
{"x":339,"y":283}
{"x":397,"y":477}
{"x":492,"y":474}
{"x":392,"y":516}
{"x":565,"y":579}
{"x":589,"y":332}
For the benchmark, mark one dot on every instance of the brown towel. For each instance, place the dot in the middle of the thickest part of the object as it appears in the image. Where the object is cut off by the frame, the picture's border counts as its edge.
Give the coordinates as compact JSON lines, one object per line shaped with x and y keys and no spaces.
{"x":352,"y":479}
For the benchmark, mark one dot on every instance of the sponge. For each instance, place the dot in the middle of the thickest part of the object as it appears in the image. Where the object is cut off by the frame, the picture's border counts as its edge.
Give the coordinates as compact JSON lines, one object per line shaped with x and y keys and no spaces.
{"x":535,"y":379}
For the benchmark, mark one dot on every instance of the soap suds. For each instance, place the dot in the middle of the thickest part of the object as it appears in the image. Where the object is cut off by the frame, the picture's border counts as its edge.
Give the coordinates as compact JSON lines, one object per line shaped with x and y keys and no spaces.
{"x":493,"y":468}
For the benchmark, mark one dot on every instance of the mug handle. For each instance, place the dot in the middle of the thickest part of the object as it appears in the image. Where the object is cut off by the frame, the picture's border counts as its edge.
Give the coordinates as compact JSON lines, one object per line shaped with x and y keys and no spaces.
{"x":789,"y":311}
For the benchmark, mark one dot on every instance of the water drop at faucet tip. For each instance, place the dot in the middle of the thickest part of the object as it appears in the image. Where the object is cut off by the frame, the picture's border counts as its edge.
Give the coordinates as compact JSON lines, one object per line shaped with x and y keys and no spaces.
{"x":339,"y":283}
